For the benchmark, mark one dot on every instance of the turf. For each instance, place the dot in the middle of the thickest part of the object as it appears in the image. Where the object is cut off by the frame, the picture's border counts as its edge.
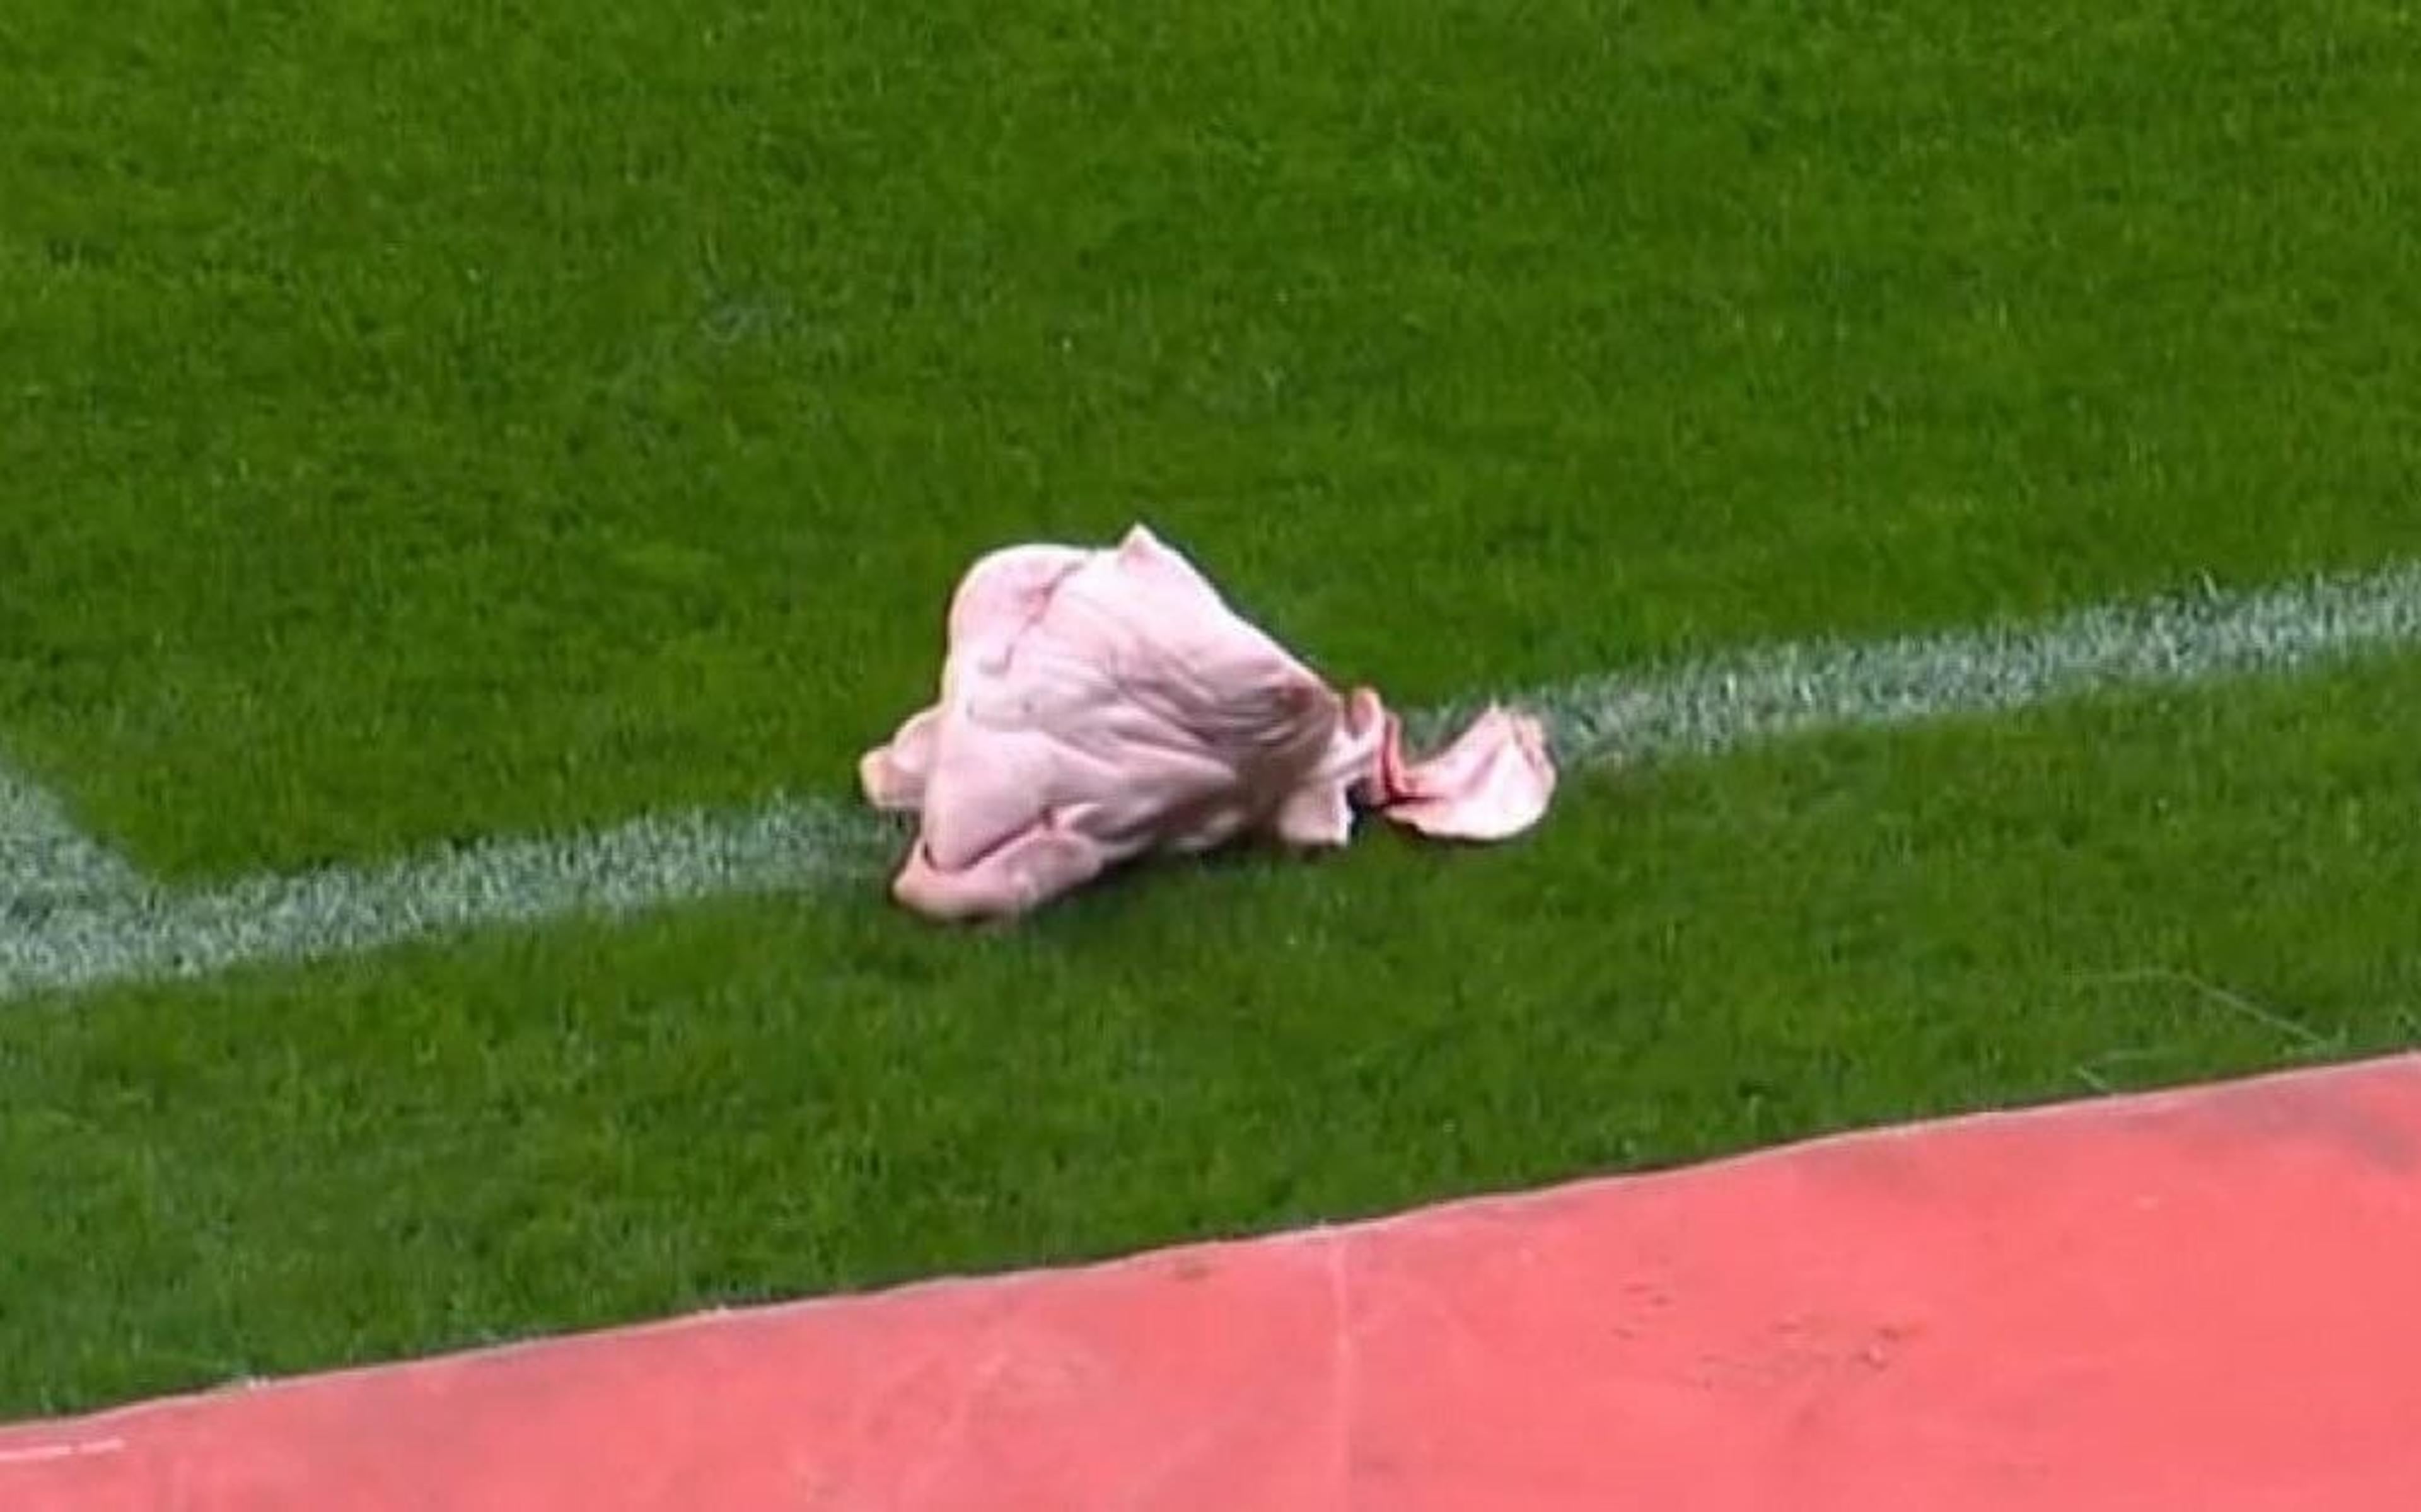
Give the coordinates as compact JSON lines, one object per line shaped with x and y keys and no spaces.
{"x":754,"y":1101}
{"x":426,"y":422}
{"x":432,"y":421}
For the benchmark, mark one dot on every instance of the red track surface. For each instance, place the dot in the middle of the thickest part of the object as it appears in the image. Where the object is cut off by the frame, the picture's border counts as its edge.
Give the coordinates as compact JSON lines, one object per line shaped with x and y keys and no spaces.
{"x":2199,"y":1300}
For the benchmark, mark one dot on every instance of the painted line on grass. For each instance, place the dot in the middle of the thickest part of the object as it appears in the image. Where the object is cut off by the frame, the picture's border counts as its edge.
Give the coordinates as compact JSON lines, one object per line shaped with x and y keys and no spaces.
{"x":73,"y":917}
{"x":150,"y":933}
{"x":1773,"y":692}
{"x":44,"y":856}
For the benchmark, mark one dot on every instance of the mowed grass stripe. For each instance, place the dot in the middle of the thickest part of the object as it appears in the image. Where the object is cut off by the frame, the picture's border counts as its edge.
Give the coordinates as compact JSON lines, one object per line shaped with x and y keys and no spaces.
{"x":514,"y":425}
{"x":68,"y":943}
{"x":533,"y":1130}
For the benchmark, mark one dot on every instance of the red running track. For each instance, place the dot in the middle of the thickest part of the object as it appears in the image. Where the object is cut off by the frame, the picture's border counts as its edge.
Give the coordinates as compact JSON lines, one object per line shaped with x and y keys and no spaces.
{"x":2206,"y":1299}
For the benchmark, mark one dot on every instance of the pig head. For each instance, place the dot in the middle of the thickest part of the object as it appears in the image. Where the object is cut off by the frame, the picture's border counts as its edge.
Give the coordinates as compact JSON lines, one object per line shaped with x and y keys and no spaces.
{"x":1099,"y":705}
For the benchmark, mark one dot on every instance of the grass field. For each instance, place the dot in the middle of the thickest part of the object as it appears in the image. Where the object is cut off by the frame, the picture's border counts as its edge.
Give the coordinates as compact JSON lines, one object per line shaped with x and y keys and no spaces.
{"x":423,"y":422}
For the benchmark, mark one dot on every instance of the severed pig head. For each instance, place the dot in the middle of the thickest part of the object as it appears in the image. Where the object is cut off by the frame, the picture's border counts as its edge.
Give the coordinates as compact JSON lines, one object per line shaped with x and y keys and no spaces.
{"x":1099,"y":705}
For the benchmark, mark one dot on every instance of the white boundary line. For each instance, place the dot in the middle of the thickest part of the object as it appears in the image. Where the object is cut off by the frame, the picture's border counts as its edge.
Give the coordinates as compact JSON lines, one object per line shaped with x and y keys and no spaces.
{"x":43,"y":1454}
{"x":74,"y":917}
{"x":44,"y":856}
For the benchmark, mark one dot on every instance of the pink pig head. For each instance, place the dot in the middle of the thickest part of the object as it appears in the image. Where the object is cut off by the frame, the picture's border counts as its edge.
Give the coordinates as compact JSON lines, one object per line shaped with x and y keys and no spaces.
{"x":1099,"y":705}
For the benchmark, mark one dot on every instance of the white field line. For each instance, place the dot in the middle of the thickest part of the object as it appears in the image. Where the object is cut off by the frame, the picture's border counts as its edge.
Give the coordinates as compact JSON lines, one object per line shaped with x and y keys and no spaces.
{"x":44,"y":856}
{"x":150,"y":933}
{"x":73,"y":917}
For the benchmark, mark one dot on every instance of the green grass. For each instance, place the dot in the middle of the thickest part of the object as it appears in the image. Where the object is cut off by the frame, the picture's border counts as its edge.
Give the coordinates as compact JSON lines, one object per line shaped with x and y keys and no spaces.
{"x":425,"y":421}
{"x":517,"y":417}
{"x":761,"y":1099}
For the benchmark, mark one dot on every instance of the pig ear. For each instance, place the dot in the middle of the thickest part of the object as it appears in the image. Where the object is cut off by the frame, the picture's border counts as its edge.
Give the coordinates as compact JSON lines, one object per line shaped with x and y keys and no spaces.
{"x":1140,"y":543}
